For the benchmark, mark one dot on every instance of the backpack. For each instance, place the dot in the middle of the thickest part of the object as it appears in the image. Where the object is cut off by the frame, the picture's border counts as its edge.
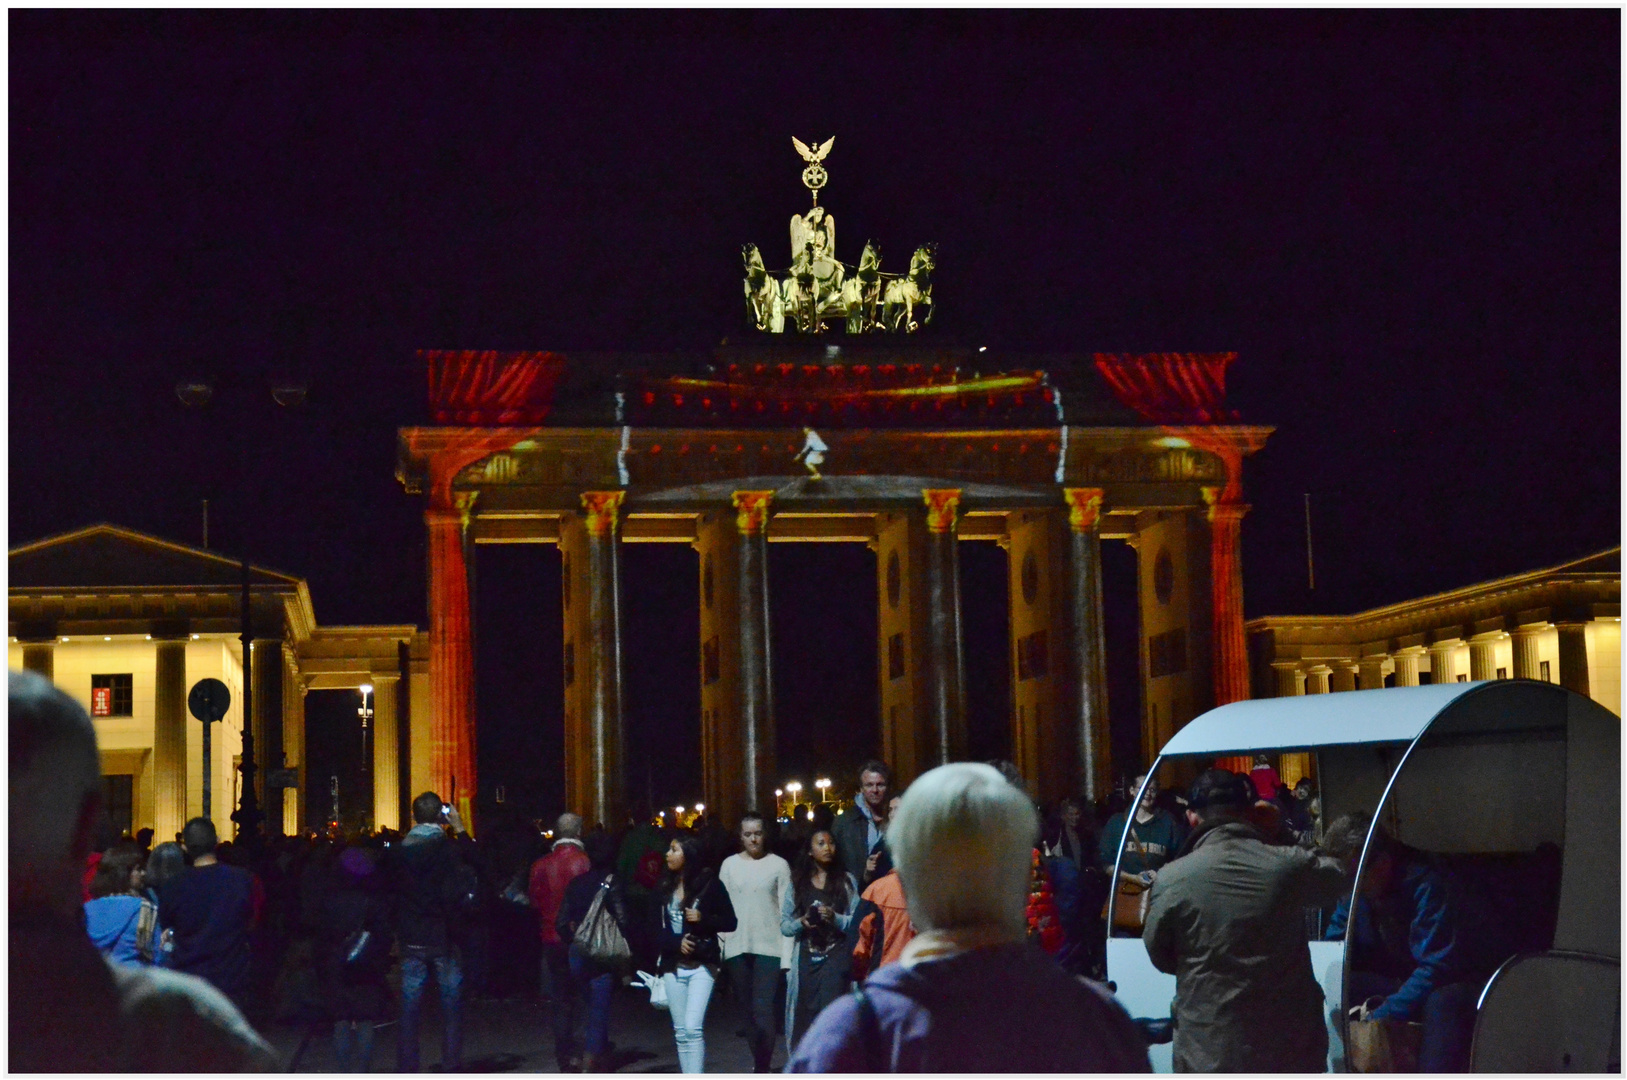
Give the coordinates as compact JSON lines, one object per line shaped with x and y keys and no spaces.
{"x":599,"y":938}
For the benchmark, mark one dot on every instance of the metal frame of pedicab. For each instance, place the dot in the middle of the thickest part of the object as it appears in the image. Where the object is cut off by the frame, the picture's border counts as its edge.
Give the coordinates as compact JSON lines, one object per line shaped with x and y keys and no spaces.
{"x":1401,"y":718}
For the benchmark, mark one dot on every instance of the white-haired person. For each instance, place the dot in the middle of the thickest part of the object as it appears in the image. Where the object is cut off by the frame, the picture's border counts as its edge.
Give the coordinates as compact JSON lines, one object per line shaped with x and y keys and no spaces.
{"x":969,"y":994}
{"x":71,"y":1008}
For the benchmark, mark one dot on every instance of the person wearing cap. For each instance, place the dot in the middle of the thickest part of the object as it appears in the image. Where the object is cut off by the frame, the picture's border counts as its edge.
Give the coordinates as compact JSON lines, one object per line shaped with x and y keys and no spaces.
{"x":1225,"y":918}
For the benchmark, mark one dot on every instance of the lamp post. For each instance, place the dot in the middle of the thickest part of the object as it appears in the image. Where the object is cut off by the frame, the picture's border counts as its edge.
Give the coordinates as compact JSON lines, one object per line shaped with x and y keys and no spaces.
{"x":824,"y":789}
{"x":196,"y":394}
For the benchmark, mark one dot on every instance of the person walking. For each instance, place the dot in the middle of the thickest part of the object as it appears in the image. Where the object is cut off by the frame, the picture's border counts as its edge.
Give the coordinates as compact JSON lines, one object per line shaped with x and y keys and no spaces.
{"x":692,"y":908}
{"x":756,"y":953}
{"x":884,"y":919}
{"x":590,"y":980}
{"x":969,"y":994}
{"x":435,"y":888}
{"x":212,"y":910}
{"x":1226,"y":919}
{"x":550,"y":875}
{"x":858,"y":835}
{"x":121,"y":920}
{"x":353,"y":970}
{"x":816,"y":915}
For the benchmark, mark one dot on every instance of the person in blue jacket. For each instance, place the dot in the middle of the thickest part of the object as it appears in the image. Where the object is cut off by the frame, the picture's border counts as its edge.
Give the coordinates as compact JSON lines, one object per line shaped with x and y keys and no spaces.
{"x":1420,"y":941}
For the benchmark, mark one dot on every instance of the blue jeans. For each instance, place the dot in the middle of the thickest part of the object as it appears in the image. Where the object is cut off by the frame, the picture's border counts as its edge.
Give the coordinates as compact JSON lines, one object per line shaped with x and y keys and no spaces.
{"x":415,"y":965}
{"x":596,"y":984}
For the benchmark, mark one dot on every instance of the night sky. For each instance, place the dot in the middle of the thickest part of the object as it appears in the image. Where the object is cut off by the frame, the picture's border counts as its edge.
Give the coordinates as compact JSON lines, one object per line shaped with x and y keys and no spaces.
{"x":1407,"y":225}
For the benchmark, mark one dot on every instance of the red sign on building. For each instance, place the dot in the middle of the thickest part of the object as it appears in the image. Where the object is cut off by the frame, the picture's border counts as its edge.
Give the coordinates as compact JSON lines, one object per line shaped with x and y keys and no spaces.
{"x":101,"y":701}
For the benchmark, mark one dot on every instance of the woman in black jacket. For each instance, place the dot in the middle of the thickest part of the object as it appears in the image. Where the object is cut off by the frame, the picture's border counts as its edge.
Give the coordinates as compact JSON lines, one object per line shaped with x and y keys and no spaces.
{"x":692,"y":908}
{"x":589,"y":978}
{"x":353,"y":970}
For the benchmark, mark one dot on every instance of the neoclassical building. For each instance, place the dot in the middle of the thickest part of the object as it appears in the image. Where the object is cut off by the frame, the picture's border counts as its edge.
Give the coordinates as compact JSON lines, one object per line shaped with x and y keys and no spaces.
{"x":127,"y":623}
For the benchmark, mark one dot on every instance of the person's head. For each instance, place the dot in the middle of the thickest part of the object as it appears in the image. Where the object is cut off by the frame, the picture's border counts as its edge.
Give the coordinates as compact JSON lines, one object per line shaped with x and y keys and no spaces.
{"x":1302,"y":790}
{"x":753,"y":835}
{"x":1348,"y":834}
{"x":1218,"y":793}
{"x":1013,"y":775}
{"x":55,"y":778}
{"x":1150,"y":796}
{"x":144,"y":839}
{"x":684,"y":861}
{"x":198,"y":837}
{"x":122,"y":870}
{"x":166,"y":863}
{"x":601,"y":851}
{"x":426,"y":808}
{"x":823,"y":816}
{"x":568,"y":827}
{"x":1261,"y":761}
{"x":819,"y":853}
{"x":963,"y":842}
{"x":822,"y":848}
{"x":874,"y":780}
{"x":1071,"y":811}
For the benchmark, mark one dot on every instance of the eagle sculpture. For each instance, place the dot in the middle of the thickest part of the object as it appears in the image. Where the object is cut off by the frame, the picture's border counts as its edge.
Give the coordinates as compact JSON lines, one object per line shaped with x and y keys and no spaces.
{"x":812,"y":157}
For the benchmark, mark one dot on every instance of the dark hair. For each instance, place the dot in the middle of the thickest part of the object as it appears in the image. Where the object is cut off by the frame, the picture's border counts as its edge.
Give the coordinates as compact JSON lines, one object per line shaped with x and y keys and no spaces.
{"x":198,"y":837}
{"x":166,"y":863}
{"x":426,"y":808}
{"x":694,"y":865}
{"x":144,"y":839}
{"x":1219,"y":790}
{"x":753,"y":815}
{"x":601,"y":851}
{"x":802,"y":872}
{"x":112,"y":877}
{"x":1010,"y":772}
{"x":1347,"y":833}
{"x":875,"y":765}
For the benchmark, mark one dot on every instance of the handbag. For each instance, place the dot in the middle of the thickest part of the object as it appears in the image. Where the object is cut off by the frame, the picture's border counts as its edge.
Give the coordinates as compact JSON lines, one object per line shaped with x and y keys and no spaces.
{"x":1127,"y":906}
{"x":515,"y":893}
{"x":1381,"y":1046}
{"x":657,"y":988}
{"x":599,"y":938}
{"x":365,"y":951}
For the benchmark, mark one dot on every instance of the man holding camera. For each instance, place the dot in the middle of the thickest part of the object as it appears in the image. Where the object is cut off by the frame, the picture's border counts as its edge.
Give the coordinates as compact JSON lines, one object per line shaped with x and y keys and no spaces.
{"x":436,"y":891}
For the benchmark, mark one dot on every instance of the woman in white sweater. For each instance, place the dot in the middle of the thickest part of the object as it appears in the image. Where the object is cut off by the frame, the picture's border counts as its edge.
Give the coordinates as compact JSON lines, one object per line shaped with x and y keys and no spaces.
{"x":756,"y":953}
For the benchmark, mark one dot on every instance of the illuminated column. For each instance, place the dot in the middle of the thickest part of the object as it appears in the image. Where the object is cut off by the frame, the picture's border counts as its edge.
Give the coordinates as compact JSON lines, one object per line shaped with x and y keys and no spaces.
{"x":386,"y":752}
{"x":756,"y":688}
{"x":1526,"y":662}
{"x":1371,"y":673}
{"x":40,"y":658}
{"x":1483,"y":656}
{"x":1316,"y":679}
{"x":717,"y":540}
{"x":268,"y":734}
{"x":602,"y":718}
{"x":1226,"y":577}
{"x":1290,"y":680}
{"x":293,"y":742}
{"x":1406,"y":665}
{"x":1573,"y":657}
{"x":451,"y":658}
{"x":1344,"y":676}
{"x":1088,"y":677}
{"x":945,"y":727}
{"x":1442,"y":668}
{"x":169,"y":740}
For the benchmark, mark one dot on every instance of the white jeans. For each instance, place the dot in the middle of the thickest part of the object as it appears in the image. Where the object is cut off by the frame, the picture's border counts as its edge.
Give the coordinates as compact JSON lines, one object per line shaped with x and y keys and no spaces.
{"x":689,"y":990}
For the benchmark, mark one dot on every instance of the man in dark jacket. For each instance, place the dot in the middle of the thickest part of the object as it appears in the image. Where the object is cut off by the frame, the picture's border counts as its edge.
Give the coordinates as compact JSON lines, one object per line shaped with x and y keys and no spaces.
{"x":1226,"y":918}
{"x":212,"y":909}
{"x":858,"y":831}
{"x":435,"y":889}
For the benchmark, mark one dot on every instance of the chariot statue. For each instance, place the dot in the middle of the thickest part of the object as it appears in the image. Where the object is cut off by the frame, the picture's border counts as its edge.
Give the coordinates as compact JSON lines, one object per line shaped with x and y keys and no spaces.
{"x":819,"y":287}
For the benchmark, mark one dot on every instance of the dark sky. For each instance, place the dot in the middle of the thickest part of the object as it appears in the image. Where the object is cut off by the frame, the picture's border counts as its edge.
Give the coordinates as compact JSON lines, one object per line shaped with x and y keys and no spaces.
{"x":1406,"y":224}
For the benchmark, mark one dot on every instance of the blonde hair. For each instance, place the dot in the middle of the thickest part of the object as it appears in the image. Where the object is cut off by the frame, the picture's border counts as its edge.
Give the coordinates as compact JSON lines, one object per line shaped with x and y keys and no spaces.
{"x":963,"y":841}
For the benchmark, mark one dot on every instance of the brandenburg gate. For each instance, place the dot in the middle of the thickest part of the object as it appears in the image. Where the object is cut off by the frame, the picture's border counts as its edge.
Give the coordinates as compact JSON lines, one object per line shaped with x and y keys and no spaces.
{"x":872,"y":436}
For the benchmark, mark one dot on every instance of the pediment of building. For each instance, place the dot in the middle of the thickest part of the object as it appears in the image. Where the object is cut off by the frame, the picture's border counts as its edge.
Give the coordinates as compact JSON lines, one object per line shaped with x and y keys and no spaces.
{"x":103,"y":557}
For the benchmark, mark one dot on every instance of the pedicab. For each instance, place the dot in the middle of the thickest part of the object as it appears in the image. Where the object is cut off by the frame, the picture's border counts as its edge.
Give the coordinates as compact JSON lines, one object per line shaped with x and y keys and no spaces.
{"x":1515,"y":781}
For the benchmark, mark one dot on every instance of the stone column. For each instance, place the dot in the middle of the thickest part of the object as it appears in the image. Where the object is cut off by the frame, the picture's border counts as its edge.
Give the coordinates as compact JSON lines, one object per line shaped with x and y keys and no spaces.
{"x":717,"y":541}
{"x":757,"y":735}
{"x":1370,"y":675}
{"x":386,"y":752}
{"x":1441,"y":666}
{"x":1226,"y":578}
{"x":293,"y":742}
{"x":1527,"y":663}
{"x":1483,"y":656}
{"x":1573,"y":673}
{"x":602,"y":717}
{"x":946,"y":688}
{"x":1316,"y":679}
{"x":1406,"y":665}
{"x":268,"y":734}
{"x":451,"y":659}
{"x":1290,"y":680}
{"x":169,"y":740}
{"x":40,"y":658}
{"x":1344,"y":676}
{"x":1088,"y":698}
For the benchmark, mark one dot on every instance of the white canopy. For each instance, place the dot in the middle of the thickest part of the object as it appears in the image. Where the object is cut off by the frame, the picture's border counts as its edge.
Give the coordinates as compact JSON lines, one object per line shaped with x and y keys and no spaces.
{"x":1395,"y":715}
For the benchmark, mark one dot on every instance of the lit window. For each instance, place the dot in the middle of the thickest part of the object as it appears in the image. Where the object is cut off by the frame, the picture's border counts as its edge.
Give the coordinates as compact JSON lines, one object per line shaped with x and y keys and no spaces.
{"x":111,"y":695}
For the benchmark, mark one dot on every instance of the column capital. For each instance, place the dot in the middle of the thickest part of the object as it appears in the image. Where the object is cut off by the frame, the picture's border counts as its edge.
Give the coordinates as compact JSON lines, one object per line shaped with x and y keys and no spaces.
{"x":751,"y":516}
{"x":1286,"y":665}
{"x":1084,"y":507}
{"x":602,"y":509}
{"x":1410,"y":650}
{"x":1221,"y":508}
{"x":942,"y":507}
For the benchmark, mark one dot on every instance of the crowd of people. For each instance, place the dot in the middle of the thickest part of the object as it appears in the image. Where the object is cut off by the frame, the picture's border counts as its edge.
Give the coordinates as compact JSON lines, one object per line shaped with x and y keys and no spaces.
{"x":883,"y":938}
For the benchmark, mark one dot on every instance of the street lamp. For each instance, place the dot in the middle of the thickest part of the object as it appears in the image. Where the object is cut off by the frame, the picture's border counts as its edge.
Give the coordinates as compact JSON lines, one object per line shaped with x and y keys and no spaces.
{"x":824,"y":789}
{"x":366,"y":713}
